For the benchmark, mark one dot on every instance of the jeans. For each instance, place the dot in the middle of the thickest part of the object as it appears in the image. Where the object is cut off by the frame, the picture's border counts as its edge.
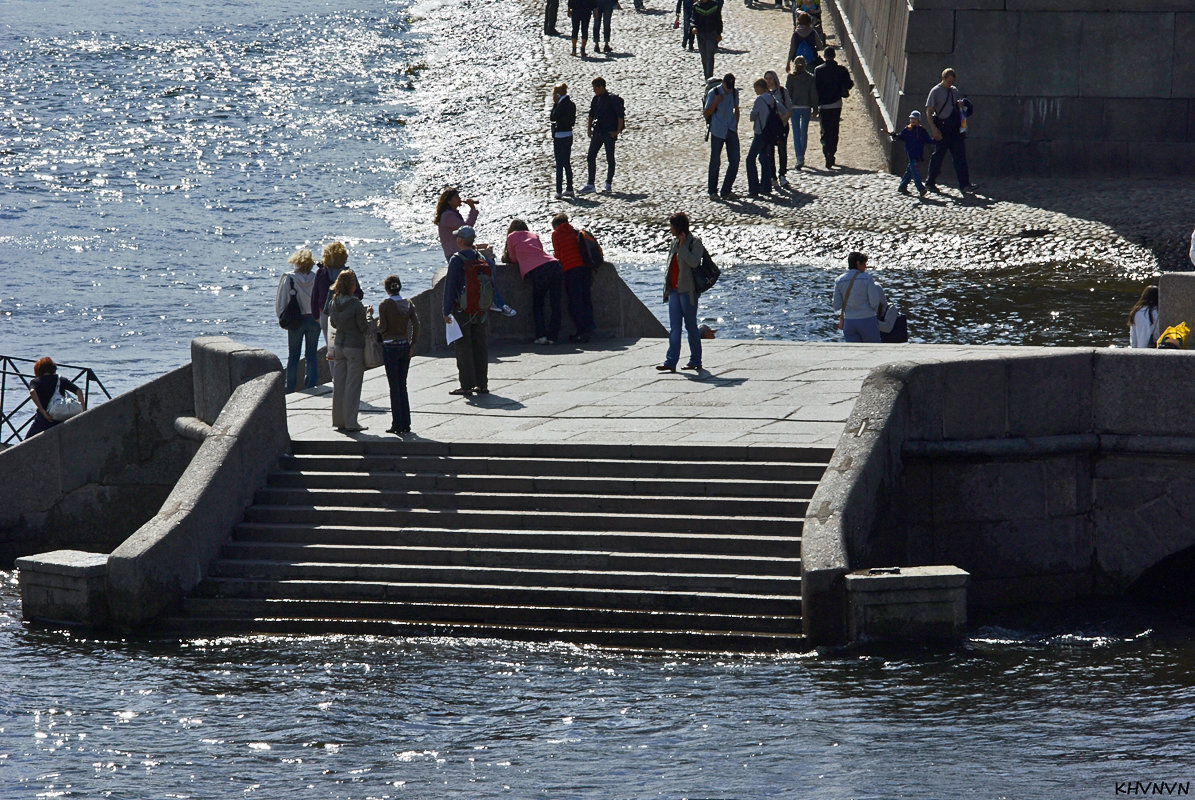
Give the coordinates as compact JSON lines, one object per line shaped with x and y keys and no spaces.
{"x":601,"y":139}
{"x":577,"y":284}
{"x":581,"y":18}
{"x":602,"y":16}
{"x":707,"y":43}
{"x":306,"y":333}
{"x":562,"y":149}
{"x":955,"y":143}
{"x":866,"y":329}
{"x":732,"y":161}
{"x":913,"y":174}
{"x":551,"y":11}
{"x":472,"y":354}
{"x":686,"y":37}
{"x":682,"y":306}
{"x":348,"y":370}
{"x":545,"y":288}
{"x":799,"y":123}
{"x":780,"y":153}
{"x":759,"y":179}
{"x":830,"y":119}
{"x":397,"y":357}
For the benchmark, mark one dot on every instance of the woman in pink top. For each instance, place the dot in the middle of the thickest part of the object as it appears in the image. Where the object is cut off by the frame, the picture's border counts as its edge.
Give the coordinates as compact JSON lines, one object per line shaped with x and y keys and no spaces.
{"x":524,"y":249}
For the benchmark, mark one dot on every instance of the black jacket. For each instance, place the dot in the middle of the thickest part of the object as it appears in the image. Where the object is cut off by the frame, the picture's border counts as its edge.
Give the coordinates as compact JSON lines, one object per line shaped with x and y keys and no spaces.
{"x":707,"y":17}
{"x":833,"y":82}
{"x":564,"y":115}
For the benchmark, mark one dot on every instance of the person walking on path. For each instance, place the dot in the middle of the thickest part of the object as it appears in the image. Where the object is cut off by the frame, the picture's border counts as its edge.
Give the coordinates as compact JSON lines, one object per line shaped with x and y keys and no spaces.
{"x":760,"y":165}
{"x":42,"y":388}
{"x":779,"y":147}
{"x":602,"y":15}
{"x":332,"y":262}
{"x":551,"y":13}
{"x":680,"y":293}
{"x":352,"y":321}
{"x":469,"y":293}
{"x":525,"y":251}
{"x":581,"y":12}
{"x":707,"y":25}
{"x":606,"y":120}
{"x":915,"y":139}
{"x":398,"y":325}
{"x":563,"y":117}
{"x":578,"y":278}
{"x":802,"y":91}
{"x":299,"y":284}
{"x":685,"y":23}
{"x":833,"y":84}
{"x":722,"y":111}
{"x":1143,"y":319}
{"x":805,"y":42}
{"x":857,"y":299}
{"x":944,"y":111}
{"x":448,"y":218}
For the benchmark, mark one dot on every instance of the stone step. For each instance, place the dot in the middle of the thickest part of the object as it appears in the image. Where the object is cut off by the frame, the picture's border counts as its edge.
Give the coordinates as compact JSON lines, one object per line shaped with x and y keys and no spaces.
{"x":484,"y":594}
{"x":532,"y":575}
{"x":564,"y":616}
{"x":473,"y":538}
{"x":530,"y":484}
{"x":705,"y":641}
{"x":362,"y":498}
{"x":555,"y":559}
{"x":559,"y":467}
{"x":558,"y":450}
{"x":341,"y":514}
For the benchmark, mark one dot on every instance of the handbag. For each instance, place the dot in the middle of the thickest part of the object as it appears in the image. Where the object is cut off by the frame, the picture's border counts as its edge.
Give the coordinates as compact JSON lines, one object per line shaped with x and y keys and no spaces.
{"x":374,"y":356}
{"x":705,"y":274}
{"x":62,"y":407}
{"x":894,"y":326}
{"x":292,"y":315}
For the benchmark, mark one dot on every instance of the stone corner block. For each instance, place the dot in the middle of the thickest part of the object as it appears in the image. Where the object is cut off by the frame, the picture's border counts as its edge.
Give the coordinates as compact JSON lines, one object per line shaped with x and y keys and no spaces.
{"x":907,"y":603}
{"x":65,"y":586}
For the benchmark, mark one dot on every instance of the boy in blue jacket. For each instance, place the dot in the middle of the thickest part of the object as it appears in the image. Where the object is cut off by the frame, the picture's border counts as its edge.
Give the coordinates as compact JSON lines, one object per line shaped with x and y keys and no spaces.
{"x":915,"y":138}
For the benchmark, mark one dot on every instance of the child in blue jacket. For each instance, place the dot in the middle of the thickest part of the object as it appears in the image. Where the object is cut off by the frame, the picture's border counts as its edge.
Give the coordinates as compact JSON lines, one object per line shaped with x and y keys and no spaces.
{"x":915,"y":138}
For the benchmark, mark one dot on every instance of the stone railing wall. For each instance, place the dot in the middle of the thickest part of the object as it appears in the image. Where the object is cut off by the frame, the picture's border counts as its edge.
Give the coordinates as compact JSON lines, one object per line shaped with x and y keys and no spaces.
{"x":1048,"y":476}
{"x":1061,"y":87}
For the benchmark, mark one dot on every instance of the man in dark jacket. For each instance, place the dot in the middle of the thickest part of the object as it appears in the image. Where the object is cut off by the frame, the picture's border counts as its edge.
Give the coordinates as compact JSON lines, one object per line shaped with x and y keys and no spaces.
{"x":606,"y":119}
{"x":833,"y":83}
{"x":707,"y":23}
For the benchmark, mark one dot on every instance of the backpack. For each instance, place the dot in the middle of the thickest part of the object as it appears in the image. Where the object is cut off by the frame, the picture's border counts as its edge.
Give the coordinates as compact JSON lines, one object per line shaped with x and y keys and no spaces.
{"x":292,"y":315}
{"x":804,"y":48}
{"x":477,"y":295}
{"x":773,"y":127}
{"x":592,"y":254}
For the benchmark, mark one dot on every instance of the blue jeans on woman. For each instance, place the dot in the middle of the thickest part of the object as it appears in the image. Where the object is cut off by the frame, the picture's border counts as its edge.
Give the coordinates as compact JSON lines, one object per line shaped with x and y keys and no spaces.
{"x":799,"y":122}
{"x":760,"y":166}
{"x":546,"y":283}
{"x":682,"y":307}
{"x":866,"y":329}
{"x":397,"y":358}
{"x":305,"y":334}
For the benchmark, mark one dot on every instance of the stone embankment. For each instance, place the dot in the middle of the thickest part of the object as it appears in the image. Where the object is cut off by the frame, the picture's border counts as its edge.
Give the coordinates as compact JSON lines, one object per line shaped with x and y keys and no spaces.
{"x":482,"y":103}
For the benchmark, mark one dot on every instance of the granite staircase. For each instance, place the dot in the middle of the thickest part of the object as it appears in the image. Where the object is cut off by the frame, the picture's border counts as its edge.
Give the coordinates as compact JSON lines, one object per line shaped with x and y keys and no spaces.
{"x":669,"y":547}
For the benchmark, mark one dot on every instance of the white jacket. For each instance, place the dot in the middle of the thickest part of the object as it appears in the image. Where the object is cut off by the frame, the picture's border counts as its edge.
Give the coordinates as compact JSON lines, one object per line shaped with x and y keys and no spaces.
{"x":303,"y":282}
{"x":1144,"y":332}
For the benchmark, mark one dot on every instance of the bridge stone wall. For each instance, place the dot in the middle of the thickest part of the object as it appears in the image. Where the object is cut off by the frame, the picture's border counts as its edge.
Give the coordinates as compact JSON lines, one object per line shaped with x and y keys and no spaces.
{"x":1060,"y":87}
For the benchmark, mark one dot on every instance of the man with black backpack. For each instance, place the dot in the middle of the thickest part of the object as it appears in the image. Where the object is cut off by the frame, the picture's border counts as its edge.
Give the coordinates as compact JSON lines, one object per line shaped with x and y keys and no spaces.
{"x":469,"y":293}
{"x":833,"y":82}
{"x":606,"y":119}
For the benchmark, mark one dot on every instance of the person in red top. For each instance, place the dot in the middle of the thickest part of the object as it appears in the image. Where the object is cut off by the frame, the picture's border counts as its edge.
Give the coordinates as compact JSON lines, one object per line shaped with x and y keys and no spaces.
{"x":577,"y":277}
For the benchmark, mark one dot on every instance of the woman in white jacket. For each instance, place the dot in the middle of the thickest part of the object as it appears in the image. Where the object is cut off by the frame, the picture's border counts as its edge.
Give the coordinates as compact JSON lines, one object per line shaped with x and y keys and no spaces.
{"x":857,"y":298}
{"x":1143,"y":320}
{"x":306,"y":333}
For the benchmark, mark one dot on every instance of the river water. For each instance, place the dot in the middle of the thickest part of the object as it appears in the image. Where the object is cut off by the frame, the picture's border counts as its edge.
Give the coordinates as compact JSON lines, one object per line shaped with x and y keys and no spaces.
{"x":159,"y":162}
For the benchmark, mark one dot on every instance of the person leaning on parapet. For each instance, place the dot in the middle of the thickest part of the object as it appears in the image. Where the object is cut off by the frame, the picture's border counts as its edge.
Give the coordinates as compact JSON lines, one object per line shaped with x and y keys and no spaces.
{"x":332,"y":261}
{"x":606,"y":120}
{"x":578,"y":278}
{"x":857,"y":298}
{"x":352,"y":321}
{"x":707,"y":27}
{"x":563,"y":117}
{"x":448,"y":218}
{"x":525,"y":251}
{"x":915,"y":139}
{"x":398,"y":325}
{"x":722,"y":111}
{"x":833,"y":84}
{"x":42,"y":389}
{"x":680,"y":293}
{"x":802,"y":91}
{"x":1143,"y":319}
{"x":469,"y":293}
{"x":944,"y":113}
{"x":300,"y":284}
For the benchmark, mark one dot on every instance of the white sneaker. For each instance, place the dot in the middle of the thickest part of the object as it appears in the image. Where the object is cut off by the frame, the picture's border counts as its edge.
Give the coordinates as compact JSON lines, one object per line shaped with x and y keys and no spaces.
{"x":607,"y":186}
{"x":586,"y":189}
{"x":507,"y":311}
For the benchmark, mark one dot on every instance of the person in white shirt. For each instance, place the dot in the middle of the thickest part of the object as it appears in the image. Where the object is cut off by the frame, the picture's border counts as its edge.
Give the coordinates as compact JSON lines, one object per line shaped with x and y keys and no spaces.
{"x":1143,"y":319}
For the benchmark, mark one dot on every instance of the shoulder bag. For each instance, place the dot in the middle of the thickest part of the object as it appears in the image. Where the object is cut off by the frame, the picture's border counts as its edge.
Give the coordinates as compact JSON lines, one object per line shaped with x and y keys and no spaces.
{"x":62,"y":407}
{"x":292,"y":315}
{"x":842,"y":313}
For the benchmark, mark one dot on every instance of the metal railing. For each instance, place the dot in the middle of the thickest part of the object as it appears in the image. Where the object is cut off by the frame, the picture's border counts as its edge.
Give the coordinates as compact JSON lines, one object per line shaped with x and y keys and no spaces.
{"x":20,"y":385}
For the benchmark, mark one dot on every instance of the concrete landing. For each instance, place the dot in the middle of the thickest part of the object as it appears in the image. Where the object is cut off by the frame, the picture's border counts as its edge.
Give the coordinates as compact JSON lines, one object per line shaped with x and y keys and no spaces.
{"x":751,"y":392}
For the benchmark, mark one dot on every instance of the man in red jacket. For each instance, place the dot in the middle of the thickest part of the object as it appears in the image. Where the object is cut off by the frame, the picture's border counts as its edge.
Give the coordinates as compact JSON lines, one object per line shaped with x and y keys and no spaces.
{"x":577,"y":277}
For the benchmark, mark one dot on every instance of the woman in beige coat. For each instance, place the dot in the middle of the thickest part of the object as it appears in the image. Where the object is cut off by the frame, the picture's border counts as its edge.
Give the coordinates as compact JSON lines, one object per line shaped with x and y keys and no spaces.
{"x":680,"y":293}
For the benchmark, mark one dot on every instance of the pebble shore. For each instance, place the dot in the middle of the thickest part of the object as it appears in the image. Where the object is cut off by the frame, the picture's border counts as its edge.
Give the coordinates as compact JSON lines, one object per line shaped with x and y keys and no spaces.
{"x":482,"y":103}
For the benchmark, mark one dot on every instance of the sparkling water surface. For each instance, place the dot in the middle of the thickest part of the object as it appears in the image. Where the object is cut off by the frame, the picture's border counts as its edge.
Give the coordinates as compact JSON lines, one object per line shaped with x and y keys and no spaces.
{"x":158,"y":164}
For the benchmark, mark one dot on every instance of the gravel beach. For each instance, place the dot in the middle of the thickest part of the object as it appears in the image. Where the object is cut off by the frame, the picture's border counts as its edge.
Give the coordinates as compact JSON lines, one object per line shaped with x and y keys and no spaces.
{"x":482,"y":104}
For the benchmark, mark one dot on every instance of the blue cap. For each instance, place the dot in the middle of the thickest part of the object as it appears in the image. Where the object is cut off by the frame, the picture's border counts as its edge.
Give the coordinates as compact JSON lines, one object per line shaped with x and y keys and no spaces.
{"x":465,"y":232}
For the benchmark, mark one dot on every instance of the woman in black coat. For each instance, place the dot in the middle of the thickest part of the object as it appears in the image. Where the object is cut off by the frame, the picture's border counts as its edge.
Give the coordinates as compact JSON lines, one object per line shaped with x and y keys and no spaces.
{"x":564,"y":114}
